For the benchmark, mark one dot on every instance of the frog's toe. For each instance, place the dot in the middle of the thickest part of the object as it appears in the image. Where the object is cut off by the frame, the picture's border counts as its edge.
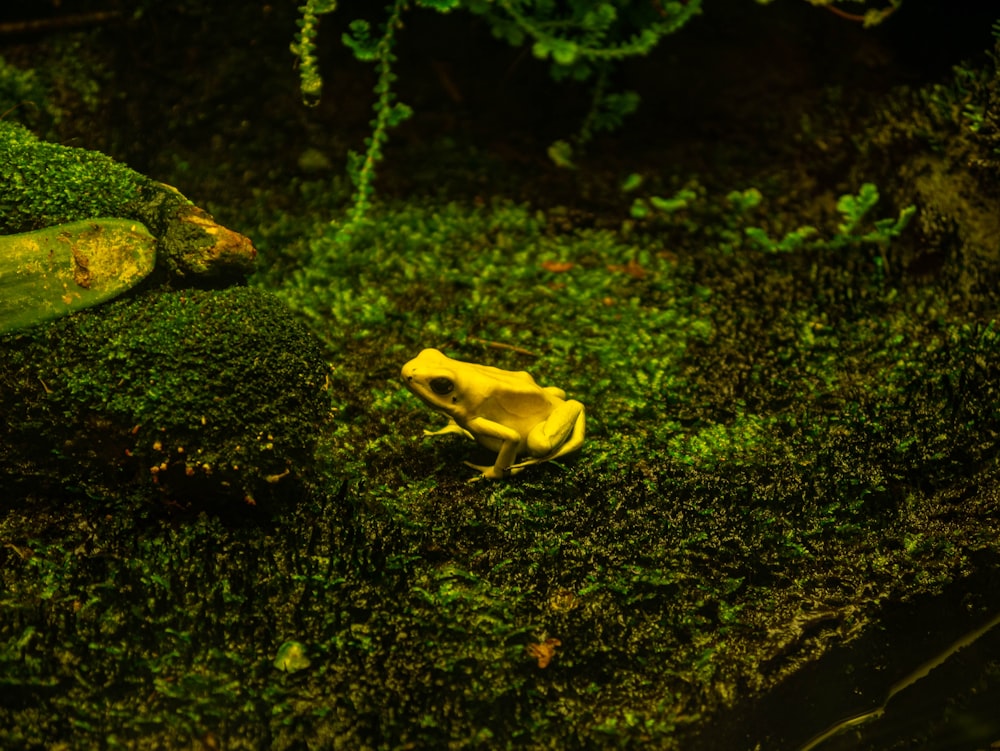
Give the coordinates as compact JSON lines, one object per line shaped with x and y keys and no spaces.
{"x":528,"y":462}
{"x":481,"y":469}
{"x":490,"y":472}
{"x":451,"y":427}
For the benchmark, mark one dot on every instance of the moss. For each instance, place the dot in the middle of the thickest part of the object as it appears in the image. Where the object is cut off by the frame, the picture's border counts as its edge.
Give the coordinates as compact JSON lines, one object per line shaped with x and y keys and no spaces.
{"x":791,"y":466}
{"x":207,"y":394}
{"x":46,"y":183}
{"x":777,"y":448}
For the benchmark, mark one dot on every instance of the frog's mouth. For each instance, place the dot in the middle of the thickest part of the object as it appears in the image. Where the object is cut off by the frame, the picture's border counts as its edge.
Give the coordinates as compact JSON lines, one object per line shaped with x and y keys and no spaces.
{"x":437,"y":391}
{"x":414,"y":389}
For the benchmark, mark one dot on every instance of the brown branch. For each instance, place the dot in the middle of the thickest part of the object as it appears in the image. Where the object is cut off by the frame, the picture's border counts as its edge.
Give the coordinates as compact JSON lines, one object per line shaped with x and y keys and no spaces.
{"x":859,"y":18}
{"x":58,"y":23}
{"x":503,"y":345}
{"x":844,"y":14}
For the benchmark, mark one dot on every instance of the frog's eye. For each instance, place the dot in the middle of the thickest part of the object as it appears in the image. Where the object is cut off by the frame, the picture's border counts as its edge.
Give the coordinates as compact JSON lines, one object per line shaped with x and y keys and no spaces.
{"x":442,"y":386}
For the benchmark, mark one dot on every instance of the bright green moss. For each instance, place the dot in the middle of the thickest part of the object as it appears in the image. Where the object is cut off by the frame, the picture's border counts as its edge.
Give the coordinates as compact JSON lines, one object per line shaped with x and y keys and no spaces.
{"x":45,"y":183}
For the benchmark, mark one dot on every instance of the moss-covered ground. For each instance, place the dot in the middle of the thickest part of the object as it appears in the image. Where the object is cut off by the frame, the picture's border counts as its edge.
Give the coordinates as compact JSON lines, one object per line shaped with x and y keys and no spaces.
{"x":787,"y":501}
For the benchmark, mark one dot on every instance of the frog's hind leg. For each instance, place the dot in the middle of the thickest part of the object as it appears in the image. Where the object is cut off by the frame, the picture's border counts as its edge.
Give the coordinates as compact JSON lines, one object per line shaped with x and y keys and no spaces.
{"x":560,"y":434}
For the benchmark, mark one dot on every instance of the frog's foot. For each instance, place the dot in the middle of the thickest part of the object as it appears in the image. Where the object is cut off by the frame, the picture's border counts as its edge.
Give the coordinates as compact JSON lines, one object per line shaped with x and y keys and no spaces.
{"x":528,"y":462}
{"x":451,"y":427}
{"x":491,"y":472}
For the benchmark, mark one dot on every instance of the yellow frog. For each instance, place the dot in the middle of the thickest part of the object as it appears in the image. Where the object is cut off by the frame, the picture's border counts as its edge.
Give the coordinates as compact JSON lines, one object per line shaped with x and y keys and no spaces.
{"x":503,"y":410}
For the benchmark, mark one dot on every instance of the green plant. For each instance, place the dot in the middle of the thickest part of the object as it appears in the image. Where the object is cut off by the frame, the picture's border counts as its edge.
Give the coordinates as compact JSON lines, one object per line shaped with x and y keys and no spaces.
{"x":19,"y":87}
{"x":869,"y":17}
{"x":580,"y":39}
{"x":578,"y":34}
{"x":388,"y":111}
{"x":644,"y":207}
{"x":304,"y":48}
{"x":854,"y":210}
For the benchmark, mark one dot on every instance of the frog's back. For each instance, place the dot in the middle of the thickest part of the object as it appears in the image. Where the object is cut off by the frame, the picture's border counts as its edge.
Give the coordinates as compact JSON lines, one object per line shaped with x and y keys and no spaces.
{"x":516,"y":400}
{"x":512,"y":380}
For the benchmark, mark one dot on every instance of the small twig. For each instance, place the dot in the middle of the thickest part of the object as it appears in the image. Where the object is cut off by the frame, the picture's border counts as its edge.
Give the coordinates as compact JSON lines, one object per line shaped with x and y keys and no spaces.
{"x":503,"y":345}
{"x":15,"y":106}
{"x":879,"y":17}
{"x":844,"y":14}
{"x":58,"y":23}
{"x":447,"y":82}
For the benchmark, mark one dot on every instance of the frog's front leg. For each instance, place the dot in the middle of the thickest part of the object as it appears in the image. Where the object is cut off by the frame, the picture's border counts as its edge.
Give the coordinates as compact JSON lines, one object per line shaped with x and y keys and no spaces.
{"x":510,"y":442}
{"x":451,"y":427}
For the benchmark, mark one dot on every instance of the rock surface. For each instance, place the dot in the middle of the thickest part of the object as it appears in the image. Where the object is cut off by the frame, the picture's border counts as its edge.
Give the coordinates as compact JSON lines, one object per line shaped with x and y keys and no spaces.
{"x":193,"y":397}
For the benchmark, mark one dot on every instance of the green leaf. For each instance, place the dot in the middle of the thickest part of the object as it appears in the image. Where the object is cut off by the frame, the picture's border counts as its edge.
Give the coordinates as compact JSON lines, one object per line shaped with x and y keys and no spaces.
{"x":564,"y":52}
{"x":319,"y":7}
{"x":398,"y":113}
{"x":441,"y":6}
{"x":631,"y":182}
{"x":639,"y":209}
{"x":854,"y":208}
{"x":669,"y":205}
{"x":744,"y":200}
{"x":540,"y":49}
{"x":600,"y":18}
{"x":358,"y":38}
{"x":561,"y":153}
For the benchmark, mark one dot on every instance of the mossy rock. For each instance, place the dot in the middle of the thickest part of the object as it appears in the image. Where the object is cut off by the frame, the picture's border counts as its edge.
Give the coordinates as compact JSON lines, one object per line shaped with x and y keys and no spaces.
{"x":196,"y":398}
{"x":47,"y":190}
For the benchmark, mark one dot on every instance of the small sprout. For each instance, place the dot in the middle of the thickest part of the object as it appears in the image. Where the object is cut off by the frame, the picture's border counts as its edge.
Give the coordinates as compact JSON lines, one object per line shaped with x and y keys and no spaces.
{"x":853,"y":208}
{"x":631,"y":182}
{"x":276,"y":478}
{"x":744,"y":200}
{"x":291,"y":657}
{"x":543,"y":651}
{"x":643,"y":207}
{"x":313,"y":161}
{"x":561,"y":154}
{"x":680,"y":200}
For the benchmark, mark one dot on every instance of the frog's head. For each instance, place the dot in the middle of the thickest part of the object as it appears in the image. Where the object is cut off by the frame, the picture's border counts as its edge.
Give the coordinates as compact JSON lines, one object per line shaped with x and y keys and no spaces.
{"x":433,"y":378}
